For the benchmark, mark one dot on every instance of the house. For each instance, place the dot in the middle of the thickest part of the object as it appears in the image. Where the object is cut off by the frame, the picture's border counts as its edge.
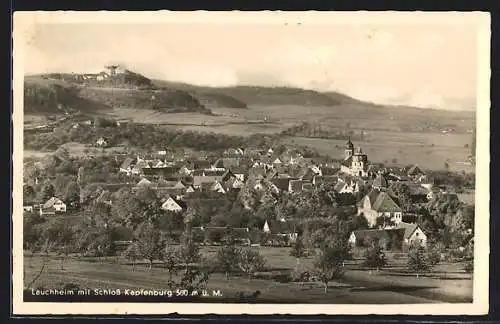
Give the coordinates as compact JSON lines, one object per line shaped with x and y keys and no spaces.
{"x":127,"y":166}
{"x":198,"y":181}
{"x":281,"y":184}
{"x":413,"y":234}
{"x":355,"y":163}
{"x":173,"y":205}
{"x":379,"y":204}
{"x":233,"y":183}
{"x":28,"y":208}
{"x":414,"y":171}
{"x":239,"y":172}
{"x":281,"y":228}
{"x":53,"y":206}
{"x":343,"y":187}
{"x":387,"y":239}
{"x":101,"y":142}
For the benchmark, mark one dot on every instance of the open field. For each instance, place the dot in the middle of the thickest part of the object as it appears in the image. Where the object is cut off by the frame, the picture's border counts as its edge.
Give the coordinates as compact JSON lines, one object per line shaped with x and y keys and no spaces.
{"x":392,"y":285}
{"x":384,"y":140}
{"x":427,"y":150}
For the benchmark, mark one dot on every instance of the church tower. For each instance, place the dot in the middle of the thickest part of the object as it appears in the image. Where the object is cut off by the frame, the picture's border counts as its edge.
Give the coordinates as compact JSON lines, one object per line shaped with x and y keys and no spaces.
{"x":349,"y":149}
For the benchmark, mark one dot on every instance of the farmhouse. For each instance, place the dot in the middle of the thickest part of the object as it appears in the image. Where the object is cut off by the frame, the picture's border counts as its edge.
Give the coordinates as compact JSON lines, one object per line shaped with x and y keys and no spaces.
{"x":379,"y":204}
{"x":280,"y":228}
{"x":127,"y":166}
{"x":387,"y":239}
{"x":53,"y":206}
{"x":413,"y":234}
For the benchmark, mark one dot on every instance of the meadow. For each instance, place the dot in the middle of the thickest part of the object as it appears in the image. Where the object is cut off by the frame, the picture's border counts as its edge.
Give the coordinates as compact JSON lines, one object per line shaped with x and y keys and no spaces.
{"x":392,"y":285}
{"x":384,"y":140}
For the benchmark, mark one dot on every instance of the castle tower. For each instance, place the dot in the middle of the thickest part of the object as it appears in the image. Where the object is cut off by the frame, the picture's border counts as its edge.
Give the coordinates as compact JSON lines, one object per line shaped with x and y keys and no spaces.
{"x":349,"y":149}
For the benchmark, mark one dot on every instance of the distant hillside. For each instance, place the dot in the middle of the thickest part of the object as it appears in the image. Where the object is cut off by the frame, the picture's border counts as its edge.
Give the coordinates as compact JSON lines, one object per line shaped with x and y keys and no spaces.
{"x":59,"y":93}
{"x":210,"y":97}
{"x":243,"y":96}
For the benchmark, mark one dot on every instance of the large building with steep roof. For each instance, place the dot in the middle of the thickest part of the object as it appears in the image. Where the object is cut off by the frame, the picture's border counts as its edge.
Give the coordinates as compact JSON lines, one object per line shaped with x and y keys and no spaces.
{"x":379,"y":204}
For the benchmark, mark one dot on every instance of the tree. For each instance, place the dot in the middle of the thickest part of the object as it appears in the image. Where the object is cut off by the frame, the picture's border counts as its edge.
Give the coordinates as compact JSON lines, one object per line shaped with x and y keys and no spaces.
{"x":170,"y":262}
{"x":418,"y":261}
{"x":64,"y":241}
{"x":48,"y":191}
{"x":329,"y":264}
{"x":227,"y":255}
{"x":298,"y":250}
{"x":250,"y":261}
{"x":149,"y":242}
{"x":72,"y":194}
{"x":374,"y":257}
{"x":132,"y":253}
{"x":189,"y":252}
{"x":28,"y":194}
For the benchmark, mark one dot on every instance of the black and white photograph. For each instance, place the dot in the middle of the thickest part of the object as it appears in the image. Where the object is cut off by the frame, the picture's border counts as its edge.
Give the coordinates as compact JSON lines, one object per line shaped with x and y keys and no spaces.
{"x":251,"y":162}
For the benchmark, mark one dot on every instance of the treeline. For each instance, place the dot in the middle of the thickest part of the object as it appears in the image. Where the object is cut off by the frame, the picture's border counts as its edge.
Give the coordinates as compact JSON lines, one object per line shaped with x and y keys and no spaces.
{"x":150,"y":137}
{"x":315,"y":130}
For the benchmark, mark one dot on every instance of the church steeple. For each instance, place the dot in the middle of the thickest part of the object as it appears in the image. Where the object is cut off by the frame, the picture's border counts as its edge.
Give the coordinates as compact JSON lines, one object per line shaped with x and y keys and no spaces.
{"x":349,"y":149}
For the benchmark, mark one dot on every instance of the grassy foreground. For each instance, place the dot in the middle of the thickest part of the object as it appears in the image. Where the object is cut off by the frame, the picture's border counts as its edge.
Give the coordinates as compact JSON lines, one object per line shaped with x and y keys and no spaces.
{"x":447,"y":283}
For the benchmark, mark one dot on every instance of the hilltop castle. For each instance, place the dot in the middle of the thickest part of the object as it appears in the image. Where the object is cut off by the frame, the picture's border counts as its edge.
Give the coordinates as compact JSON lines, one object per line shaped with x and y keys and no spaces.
{"x":355,"y":163}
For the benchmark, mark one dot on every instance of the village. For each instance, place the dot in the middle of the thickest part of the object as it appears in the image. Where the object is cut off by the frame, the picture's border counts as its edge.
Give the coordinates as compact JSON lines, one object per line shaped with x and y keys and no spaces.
{"x":365,"y":188}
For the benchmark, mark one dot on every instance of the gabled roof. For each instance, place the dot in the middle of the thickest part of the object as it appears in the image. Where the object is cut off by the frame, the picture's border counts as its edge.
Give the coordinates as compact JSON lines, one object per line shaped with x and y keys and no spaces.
{"x":230,"y":162}
{"x":51,"y":202}
{"x":199,"y":180}
{"x":342,"y":185}
{"x":363,"y":236}
{"x":414,"y":170}
{"x":281,"y":183}
{"x":279,"y":227}
{"x":325,"y":180}
{"x":165,"y":183}
{"x":238,"y":170}
{"x":409,"y":228}
{"x":384,"y":203}
{"x":179,"y":202}
{"x":329,"y":171}
{"x":143,"y":182}
{"x":215,"y":173}
{"x":127,"y":163}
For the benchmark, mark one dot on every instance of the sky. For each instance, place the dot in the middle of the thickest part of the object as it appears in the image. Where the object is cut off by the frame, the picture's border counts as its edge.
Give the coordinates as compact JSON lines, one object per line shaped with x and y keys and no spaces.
{"x":426,"y":65}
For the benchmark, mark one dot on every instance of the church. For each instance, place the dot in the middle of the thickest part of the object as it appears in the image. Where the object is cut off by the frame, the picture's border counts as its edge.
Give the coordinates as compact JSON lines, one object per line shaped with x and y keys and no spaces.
{"x":355,"y":163}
